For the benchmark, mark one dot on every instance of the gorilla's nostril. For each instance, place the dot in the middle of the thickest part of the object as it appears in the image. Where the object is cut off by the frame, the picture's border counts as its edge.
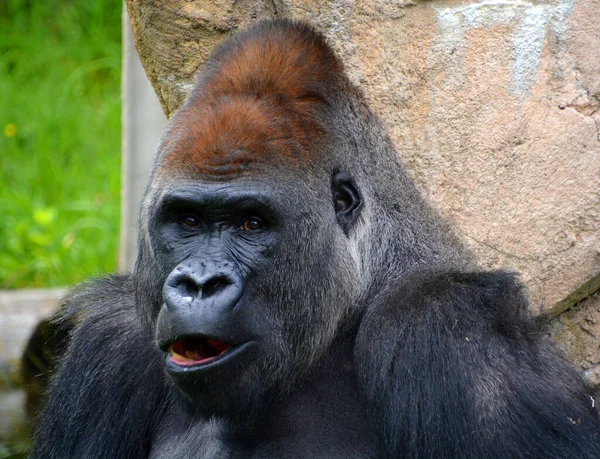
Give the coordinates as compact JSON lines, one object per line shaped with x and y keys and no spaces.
{"x":214,"y":285}
{"x":188,"y":288}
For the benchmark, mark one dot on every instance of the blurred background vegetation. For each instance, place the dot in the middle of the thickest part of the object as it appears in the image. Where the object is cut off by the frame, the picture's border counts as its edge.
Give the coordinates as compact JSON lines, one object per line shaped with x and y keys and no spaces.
{"x":60,"y":140}
{"x":60,"y":145}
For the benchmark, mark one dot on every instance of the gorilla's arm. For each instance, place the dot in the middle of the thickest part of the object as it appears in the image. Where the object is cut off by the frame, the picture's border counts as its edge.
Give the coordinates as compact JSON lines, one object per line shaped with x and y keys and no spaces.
{"x":451,"y":367}
{"x":107,"y":390}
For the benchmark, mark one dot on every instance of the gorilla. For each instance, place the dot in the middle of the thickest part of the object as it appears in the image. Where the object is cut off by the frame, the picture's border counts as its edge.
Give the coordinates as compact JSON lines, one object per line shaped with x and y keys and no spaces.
{"x":294,"y":296}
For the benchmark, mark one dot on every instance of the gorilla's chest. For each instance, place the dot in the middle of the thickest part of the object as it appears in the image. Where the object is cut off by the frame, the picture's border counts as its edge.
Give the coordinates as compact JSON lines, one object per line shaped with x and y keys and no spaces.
{"x":307,"y":438}
{"x":291,"y":448}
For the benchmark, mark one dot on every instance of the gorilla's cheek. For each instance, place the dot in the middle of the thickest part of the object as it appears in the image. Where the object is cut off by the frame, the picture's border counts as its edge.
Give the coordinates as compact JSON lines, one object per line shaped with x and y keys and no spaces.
{"x":306,"y":299}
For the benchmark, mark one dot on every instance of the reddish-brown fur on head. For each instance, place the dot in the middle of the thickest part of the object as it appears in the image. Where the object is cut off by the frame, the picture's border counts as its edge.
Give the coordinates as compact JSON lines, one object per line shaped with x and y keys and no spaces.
{"x":256,"y":103}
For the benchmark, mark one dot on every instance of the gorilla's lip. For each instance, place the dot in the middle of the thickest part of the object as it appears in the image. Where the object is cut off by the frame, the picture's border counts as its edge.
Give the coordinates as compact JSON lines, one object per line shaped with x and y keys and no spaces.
{"x":197,"y":350}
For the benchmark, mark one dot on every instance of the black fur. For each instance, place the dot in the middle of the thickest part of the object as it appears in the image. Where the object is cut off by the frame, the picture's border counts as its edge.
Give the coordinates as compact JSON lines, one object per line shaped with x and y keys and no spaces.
{"x":279,"y":221}
{"x":457,"y":370}
{"x":109,"y":391}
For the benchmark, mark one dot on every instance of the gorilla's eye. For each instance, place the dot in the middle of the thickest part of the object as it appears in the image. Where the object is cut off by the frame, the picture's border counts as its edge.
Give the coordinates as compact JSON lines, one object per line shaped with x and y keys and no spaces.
{"x":252,"y":224}
{"x":342,"y":202}
{"x":190,"y":221}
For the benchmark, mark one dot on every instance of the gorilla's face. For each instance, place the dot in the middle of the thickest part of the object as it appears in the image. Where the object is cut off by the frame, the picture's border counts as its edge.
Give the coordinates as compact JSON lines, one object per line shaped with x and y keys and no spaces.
{"x":258,"y":277}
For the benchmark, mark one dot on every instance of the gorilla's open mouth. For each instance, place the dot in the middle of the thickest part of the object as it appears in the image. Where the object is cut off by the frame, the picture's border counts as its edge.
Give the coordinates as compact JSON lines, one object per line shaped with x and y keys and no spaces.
{"x":195,"y":351}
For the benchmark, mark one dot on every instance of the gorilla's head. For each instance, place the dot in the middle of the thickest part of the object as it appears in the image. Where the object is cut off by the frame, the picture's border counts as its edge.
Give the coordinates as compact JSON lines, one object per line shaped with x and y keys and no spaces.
{"x":271,"y":218}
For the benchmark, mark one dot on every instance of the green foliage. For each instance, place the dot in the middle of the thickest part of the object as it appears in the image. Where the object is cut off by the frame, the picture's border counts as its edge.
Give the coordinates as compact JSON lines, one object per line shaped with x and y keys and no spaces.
{"x":60,"y":63}
{"x":13,"y":451}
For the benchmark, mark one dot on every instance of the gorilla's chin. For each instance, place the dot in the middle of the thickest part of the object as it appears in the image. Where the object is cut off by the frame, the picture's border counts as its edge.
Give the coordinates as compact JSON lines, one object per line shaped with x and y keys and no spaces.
{"x":211,"y":391}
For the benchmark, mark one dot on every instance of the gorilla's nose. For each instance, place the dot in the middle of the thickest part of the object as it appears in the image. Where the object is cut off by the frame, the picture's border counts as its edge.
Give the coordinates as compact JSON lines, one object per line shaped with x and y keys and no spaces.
{"x":202,"y":285}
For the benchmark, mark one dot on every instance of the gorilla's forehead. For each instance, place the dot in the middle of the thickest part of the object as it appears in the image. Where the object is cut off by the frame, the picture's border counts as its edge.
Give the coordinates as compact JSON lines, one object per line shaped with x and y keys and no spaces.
{"x":237,"y":135}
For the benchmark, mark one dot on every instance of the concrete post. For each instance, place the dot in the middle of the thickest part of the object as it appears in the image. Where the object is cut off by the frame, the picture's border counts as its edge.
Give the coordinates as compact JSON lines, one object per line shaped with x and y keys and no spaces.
{"x":142,"y":122}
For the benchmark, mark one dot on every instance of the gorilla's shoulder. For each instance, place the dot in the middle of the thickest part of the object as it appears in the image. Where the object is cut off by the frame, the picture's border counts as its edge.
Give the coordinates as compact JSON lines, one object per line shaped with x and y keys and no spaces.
{"x":107,"y":302}
{"x":103,"y":322}
{"x":456,"y":357}
{"x":493,"y":300}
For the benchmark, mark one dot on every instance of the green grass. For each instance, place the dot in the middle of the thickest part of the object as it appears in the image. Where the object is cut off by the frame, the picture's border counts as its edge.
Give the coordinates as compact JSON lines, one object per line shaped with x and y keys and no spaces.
{"x":60,"y":63}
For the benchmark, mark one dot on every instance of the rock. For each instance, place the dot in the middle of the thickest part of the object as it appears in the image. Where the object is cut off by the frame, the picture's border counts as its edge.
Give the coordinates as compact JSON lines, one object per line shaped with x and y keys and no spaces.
{"x":577,"y":332}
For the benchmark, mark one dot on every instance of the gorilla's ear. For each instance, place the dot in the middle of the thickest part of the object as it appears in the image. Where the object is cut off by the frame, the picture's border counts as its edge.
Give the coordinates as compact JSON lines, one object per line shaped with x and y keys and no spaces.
{"x":346,"y":199}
